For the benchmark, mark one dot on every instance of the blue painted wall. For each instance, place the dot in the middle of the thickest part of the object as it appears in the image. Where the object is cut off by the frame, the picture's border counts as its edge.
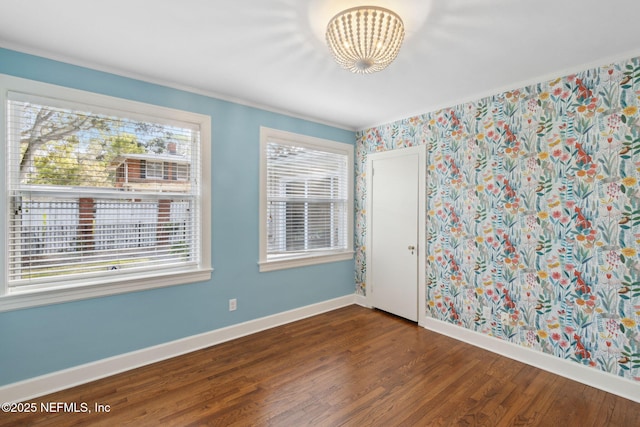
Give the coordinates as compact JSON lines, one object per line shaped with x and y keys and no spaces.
{"x":40,"y":340}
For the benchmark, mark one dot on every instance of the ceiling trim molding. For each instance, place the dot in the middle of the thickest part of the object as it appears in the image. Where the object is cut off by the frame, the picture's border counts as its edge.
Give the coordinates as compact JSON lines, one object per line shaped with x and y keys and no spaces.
{"x":523,"y":83}
{"x":240,"y":101}
{"x":160,"y":82}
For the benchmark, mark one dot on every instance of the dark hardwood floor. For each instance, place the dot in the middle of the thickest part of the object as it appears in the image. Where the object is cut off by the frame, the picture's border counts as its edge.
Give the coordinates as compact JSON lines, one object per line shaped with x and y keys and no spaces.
{"x":348,"y":367}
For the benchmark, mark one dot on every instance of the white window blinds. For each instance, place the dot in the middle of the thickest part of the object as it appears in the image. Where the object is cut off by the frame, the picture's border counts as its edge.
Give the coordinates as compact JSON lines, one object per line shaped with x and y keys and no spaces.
{"x":307,"y":199}
{"x":97,"y":193}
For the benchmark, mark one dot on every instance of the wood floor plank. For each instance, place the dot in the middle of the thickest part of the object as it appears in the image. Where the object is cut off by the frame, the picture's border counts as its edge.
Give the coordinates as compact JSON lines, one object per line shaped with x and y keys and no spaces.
{"x":348,"y":367}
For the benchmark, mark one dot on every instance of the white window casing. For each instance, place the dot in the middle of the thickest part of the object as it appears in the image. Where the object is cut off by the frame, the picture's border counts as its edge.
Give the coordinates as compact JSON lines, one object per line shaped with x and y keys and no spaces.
{"x":306,"y":200}
{"x":94,"y":205}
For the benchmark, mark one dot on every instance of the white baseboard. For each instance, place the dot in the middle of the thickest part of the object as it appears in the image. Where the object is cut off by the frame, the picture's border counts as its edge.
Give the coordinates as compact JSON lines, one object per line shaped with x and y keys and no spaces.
{"x":362,"y":301}
{"x":595,"y":378}
{"x":60,"y":380}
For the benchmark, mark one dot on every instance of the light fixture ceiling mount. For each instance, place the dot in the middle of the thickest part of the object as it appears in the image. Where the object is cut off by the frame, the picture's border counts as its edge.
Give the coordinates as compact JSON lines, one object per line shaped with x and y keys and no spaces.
{"x":365,"y":39}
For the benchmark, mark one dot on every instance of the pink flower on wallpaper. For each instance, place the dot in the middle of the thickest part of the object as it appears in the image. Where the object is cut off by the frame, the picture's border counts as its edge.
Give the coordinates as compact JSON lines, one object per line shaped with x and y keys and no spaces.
{"x":564,"y":344}
{"x":530,"y":297}
{"x":556,"y":336}
{"x":556,"y":214}
{"x":557,"y":91}
{"x":556,"y":275}
{"x":569,"y":330}
{"x":556,"y":153}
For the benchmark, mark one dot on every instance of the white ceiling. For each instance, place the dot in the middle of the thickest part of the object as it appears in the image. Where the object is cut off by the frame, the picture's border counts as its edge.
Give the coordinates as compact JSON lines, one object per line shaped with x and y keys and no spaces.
{"x":271,"y":53}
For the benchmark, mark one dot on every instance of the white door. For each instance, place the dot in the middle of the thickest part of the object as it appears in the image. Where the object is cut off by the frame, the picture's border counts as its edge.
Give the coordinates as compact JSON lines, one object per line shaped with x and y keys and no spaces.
{"x":394,"y":232}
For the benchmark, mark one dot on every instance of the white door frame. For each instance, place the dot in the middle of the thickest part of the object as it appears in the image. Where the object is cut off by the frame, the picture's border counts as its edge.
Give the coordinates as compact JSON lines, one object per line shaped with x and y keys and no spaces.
{"x":421,"y":150}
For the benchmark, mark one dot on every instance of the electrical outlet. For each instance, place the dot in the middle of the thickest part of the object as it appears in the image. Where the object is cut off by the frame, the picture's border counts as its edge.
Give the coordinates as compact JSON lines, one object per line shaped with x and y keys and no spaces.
{"x":486,"y":312}
{"x":233,"y":304}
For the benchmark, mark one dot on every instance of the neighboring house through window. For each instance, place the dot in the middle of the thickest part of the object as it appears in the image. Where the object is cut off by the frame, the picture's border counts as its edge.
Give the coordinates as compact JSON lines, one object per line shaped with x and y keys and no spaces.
{"x":95,"y":204}
{"x":306,"y":200}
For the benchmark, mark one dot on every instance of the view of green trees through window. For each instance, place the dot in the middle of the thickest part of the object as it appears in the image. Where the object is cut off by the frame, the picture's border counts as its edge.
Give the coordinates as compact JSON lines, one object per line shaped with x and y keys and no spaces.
{"x":63,"y":147}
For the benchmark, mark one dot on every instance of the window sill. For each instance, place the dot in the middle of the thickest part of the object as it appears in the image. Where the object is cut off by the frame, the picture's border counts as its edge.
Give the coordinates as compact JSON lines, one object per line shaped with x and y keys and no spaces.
{"x":19,"y":299}
{"x":302,"y":261}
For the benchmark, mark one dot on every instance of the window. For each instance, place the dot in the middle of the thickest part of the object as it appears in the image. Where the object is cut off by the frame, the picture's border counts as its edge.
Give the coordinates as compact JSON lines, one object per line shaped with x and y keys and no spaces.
{"x":90,"y":209}
{"x":306,"y":200}
{"x":154,"y":170}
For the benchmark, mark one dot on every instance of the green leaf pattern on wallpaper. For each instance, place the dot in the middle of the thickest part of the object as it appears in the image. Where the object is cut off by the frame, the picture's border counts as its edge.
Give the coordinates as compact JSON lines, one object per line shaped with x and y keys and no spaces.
{"x":533,"y":214}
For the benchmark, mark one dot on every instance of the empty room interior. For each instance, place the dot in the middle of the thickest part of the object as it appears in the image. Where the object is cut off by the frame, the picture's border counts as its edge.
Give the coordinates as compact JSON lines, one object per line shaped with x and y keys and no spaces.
{"x":320,"y":212}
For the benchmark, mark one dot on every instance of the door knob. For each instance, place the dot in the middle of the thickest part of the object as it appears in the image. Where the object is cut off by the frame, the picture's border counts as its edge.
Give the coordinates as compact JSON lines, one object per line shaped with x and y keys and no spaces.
{"x":411,"y":248}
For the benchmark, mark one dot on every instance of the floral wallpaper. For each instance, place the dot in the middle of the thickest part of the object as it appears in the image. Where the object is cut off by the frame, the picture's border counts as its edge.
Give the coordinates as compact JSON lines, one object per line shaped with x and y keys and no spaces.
{"x":533,"y":215}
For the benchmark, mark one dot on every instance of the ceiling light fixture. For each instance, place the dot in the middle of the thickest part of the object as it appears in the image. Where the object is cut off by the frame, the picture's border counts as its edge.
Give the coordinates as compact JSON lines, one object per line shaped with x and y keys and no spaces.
{"x":365,"y":39}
